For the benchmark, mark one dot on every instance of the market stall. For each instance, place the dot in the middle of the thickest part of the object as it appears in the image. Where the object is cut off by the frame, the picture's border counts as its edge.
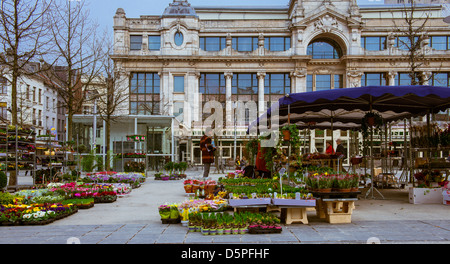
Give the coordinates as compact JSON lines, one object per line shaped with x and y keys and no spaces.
{"x":362,"y":105}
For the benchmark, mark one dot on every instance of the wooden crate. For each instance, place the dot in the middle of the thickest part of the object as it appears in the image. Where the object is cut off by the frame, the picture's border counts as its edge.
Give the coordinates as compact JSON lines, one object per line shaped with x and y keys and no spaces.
{"x":339,"y":211}
{"x":294,"y":215}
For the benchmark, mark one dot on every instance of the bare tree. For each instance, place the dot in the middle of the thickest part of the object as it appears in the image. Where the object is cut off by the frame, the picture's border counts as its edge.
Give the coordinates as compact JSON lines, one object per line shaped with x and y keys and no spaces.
{"x":79,"y":50}
{"x":23,"y":30}
{"x":411,"y":36}
{"x":112,"y":97}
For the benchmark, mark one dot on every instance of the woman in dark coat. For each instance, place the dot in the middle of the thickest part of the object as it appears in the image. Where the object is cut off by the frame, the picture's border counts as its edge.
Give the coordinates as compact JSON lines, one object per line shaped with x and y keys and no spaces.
{"x":207,"y":151}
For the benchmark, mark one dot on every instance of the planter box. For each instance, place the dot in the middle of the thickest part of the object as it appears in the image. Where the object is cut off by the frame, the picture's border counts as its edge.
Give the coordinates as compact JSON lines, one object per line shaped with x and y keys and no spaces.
{"x":294,"y":202}
{"x":425,"y":195}
{"x":446,"y":197}
{"x":246,"y":202}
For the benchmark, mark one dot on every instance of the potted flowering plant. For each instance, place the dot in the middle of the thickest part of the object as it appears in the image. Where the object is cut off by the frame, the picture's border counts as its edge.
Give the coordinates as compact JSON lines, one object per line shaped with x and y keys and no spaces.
{"x":325,"y":183}
{"x":164,"y":211}
{"x":344,"y":182}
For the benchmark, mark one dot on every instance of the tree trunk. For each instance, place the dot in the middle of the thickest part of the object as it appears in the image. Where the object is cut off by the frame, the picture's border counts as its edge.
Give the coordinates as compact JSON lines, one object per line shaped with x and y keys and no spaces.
{"x":108,"y":145}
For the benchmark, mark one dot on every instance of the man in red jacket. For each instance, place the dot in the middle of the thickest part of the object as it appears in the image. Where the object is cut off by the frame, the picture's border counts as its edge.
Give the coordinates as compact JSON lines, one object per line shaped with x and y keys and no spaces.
{"x":207,"y":151}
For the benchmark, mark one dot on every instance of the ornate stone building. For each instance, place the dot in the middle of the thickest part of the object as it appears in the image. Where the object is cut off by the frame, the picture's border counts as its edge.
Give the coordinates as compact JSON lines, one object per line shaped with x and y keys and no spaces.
{"x":188,"y":56}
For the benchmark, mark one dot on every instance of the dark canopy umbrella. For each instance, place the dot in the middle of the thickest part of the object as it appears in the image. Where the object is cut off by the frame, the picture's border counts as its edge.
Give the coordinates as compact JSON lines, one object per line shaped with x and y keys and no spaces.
{"x":392,"y":102}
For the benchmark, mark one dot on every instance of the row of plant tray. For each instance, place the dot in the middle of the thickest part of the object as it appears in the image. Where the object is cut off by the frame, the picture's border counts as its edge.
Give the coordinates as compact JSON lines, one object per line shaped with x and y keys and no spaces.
{"x":41,"y":222}
{"x":271,"y":201}
{"x":260,"y":230}
{"x":334,"y":194}
{"x":171,"y":221}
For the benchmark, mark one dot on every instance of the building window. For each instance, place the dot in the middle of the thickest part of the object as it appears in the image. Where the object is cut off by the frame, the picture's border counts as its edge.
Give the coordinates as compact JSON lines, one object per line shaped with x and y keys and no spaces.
{"x":212,"y":43}
{"x":277,"y":43}
{"x":324,"y":49}
{"x":404,"y":43}
{"x":178,"y":84}
{"x":374,"y":79}
{"x":212,"y":87}
{"x":3,"y":85}
{"x":440,"y":42}
{"x":4,"y":111}
{"x":245,"y":43}
{"x":373,"y":43}
{"x":322,"y":82}
{"x":244,"y":88}
{"x":34,"y":94}
{"x":276,"y":85}
{"x":154,"y":42}
{"x":135,"y":42}
{"x":440,"y":79}
{"x":403,"y":78}
{"x":144,"y":94}
{"x":178,"y":38}
{"x":178,"y":109}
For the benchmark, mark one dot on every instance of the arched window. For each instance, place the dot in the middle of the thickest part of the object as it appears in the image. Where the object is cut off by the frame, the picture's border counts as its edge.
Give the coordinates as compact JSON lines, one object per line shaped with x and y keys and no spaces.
{"x":324,"y":49}
{"x":178,"y":38}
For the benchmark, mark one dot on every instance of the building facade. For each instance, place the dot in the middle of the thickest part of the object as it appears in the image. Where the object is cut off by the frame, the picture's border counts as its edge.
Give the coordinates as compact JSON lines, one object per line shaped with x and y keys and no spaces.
{"x":180,"y":61}
{"x":37,"y":103}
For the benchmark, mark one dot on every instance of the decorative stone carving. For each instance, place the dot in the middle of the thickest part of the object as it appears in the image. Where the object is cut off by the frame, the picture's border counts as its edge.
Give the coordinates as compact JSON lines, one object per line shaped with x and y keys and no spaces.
{"x":327,"y":23}
{"x":261,"y":75}
{"x":228,"y":75}
{"x":299,"y":72}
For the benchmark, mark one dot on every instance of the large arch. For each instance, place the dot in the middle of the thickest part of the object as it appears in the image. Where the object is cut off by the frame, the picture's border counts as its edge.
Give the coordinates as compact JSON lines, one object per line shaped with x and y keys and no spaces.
{"x":334,"y":37}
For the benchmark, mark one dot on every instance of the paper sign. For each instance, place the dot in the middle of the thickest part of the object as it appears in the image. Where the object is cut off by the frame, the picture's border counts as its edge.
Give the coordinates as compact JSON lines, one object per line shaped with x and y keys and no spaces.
{"x":297,"y":196}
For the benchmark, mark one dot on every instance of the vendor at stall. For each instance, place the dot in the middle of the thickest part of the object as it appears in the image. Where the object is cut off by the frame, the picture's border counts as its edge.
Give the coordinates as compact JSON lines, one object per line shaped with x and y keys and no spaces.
{"x":260,"y":163}
{"x":329,"y":150}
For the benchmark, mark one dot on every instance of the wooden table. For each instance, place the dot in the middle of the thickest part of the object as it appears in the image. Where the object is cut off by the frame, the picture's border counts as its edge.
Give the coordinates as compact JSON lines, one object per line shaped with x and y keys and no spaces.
{"x":335,"y":207}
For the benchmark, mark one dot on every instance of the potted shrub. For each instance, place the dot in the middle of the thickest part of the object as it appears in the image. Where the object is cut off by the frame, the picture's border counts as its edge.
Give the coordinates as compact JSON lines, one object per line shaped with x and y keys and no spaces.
{"x":227,"y":224}
{"x":220,"y":224}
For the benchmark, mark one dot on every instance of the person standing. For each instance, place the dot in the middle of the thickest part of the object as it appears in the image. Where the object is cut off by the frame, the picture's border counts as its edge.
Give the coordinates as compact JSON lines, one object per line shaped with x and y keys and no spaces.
{"x":207,"y":151}
{"x":340,"y":148}
{"x":329,"y":150}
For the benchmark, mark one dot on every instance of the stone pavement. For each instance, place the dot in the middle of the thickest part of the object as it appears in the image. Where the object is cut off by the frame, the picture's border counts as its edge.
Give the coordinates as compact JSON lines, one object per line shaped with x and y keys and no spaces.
{"x":135,"y":220}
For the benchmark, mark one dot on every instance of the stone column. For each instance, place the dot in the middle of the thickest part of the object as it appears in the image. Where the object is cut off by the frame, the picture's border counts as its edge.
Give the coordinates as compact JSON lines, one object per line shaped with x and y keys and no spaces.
{"x":354,"y":78}
{"x":229,"y":104}
{"x":298,"y":80}
{"x":261,"y":103}
{"x":391,"y":78}
{"x":426,"y":75}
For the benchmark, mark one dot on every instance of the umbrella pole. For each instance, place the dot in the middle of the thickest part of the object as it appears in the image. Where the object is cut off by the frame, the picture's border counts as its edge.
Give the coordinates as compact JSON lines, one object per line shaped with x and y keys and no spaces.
{"x":372,"y":168}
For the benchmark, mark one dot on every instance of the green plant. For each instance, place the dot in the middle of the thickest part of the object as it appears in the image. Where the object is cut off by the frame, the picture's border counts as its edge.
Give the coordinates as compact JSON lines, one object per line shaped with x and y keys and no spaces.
{"x":252,"y":149}
{"x":373,"y":121}
{"x":87,"y":162}
{"x":82,"y":148}
{"x":99,"y":165}
{"x":3,"y":180}
{"x":169,"y":166}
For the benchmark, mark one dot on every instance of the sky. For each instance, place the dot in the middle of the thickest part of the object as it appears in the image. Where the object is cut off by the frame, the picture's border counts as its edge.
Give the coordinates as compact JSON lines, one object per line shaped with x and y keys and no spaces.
{"x":103,"y":11}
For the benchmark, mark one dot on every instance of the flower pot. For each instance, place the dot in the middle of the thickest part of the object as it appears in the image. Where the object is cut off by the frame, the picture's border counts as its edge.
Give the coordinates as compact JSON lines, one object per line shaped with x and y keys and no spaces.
{"x":371,"y":121}
{"x":205,"y":231}
{"x":345,"y":189}
{"x":235,"y":231}
{"x":188,"y":188}
{"x":220,"y":231}
{"x":191,"y":229}
{"x":227,"y":231}
{"x":286,"y":135}
{"x":212,"y":232}
{"x":243,"y":230}
{"x":325,"y":190}
{"x":184,"y":223}
{"x":354,"y":189}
